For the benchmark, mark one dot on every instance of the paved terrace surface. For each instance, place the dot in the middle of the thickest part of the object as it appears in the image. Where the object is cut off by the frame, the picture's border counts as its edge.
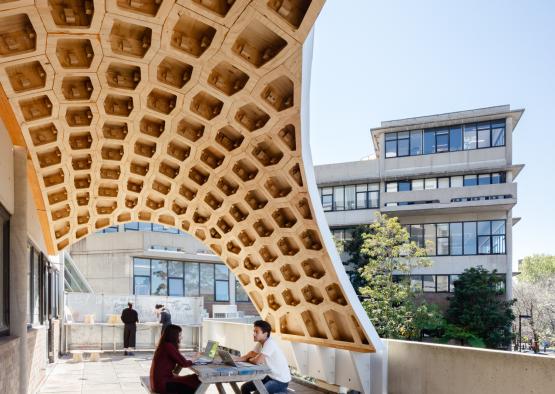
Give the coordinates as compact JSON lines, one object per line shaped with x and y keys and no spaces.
{"x":115,"y":374}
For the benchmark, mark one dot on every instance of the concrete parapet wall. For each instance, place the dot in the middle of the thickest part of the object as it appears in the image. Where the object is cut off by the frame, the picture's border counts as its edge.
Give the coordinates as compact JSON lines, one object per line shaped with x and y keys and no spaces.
{"x":421,"y":368}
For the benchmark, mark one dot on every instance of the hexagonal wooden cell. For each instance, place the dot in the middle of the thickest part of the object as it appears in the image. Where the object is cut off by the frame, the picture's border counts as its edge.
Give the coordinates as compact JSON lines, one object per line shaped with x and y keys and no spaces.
{"x":187,"y":115}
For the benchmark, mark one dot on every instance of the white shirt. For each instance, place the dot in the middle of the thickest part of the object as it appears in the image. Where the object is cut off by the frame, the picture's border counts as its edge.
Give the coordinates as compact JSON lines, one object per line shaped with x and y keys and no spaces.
{"x":274,"y":360}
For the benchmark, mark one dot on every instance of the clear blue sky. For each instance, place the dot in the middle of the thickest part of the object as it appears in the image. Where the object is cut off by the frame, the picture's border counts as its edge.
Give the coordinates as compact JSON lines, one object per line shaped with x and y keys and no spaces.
{"x":384,"y":60}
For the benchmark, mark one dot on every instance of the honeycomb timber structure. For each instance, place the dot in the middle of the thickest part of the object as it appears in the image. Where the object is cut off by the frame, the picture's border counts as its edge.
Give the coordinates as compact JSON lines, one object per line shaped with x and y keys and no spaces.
{"x":184,"y":113}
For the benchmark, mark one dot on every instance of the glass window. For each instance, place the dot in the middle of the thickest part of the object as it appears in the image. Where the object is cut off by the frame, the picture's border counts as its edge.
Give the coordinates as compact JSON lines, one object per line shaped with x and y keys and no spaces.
{"x":374,"y":187}
{"x":416,"y":142}
{"x":207,"y":281}
{"x":403,"y":186}
{"x":429,"y":283}
{"x":430,"y":239}
{"x":497,"y":135}
{"x":159,"y":284}
{"x":442,"y":141}
{"x":350,"y":197}
{"x":498,"y":244}
{"x":131,"y":226}
{"x":429,"y":142}
{"x":240,"y":294}
{"x":363,"y":187}
{"x":455,"y":139}
{"x":176,"y":287}
{"x":456,"y":181}
{"x":416,"y":282}
{"x":443,"y":246}
{"x":417,"y":184}
{"x":484,"y":227}
{"x":469,"y":137}
{"x":142,"y":285}
{"x":222,"y":273}
{"x":484,"y":179}
{"x":222,"y":290}
{"x":145,"y":226}
{"x":391,"y":145}
{"x":391,"y":187}
{"x":469,"y":237}
{"x":339,"y":198}
{"x":498,"y":227}
{"x":327,"y":203}
{"x":403,"y":144}
{"x":417,"y":234}
{"x":373,"y":199}
{"x":361,"y":200}
{"x":443,"y":183}
{"x":443,"y":230}
{"x":141,"y":266}
{"x":431,"y":183}
{"x":175,"y":269}
{"x":484,"y":136}
{"x":456,"y":238}
{"x":484,"y":244}
{"x":497,"y":177}
{"x":470,"y":180}
{"x":191,"y":279}
{"x":452,"y":280}
{"x":442,"y":283}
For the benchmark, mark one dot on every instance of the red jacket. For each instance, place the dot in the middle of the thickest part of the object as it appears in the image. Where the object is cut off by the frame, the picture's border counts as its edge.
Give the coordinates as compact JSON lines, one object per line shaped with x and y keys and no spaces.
{"x":165,"y":359}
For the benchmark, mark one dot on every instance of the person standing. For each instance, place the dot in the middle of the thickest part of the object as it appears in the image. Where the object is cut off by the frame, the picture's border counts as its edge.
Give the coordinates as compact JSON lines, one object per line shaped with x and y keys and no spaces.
{"x":267,"y":351}
{"x":130,"y":318}
{"x":165,"y":316}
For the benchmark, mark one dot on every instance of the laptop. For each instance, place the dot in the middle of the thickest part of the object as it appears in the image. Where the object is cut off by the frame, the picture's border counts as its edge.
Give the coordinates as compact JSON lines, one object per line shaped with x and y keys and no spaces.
{"x":209,"y":353}
{"x":228,"y":360}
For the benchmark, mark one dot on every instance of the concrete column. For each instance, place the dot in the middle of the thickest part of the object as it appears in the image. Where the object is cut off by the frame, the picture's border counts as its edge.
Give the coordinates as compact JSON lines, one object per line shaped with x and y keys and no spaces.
{"x":232,"y":280}
{"x":19,"y":264}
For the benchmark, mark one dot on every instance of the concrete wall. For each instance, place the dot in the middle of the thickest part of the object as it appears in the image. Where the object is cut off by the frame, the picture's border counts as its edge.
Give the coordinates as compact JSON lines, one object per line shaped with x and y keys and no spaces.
{"x":37,"y":356}
{"x":420,"y":368}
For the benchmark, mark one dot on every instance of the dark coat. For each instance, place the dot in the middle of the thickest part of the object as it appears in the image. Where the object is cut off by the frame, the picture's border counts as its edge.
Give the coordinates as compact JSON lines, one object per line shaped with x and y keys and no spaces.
{"x":165,"y":318}
{"x":129,"y":316}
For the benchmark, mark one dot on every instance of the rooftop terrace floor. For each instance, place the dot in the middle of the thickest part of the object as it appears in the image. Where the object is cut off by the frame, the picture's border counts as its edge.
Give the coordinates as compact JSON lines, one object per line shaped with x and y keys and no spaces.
{"x":115,"y":374}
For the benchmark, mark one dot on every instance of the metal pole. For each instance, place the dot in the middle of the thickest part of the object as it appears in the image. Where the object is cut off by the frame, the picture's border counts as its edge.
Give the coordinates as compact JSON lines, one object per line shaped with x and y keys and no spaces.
{"x":519,"y":333}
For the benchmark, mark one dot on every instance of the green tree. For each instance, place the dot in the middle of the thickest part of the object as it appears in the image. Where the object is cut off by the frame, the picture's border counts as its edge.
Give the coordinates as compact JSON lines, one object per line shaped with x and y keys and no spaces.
{"x":385,"y":248}
{"x":478,"y":307}
{"x":537,"y":267}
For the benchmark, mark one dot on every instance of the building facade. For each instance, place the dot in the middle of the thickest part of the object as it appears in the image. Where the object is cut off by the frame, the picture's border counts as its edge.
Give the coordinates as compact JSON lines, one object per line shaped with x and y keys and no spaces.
{"x":150,"y":259}
{"x":449,"y":178}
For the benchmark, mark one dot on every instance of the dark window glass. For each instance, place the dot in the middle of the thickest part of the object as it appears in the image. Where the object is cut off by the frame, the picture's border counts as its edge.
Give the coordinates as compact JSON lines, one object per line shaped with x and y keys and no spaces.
{"x":327,"y":203}
{"x":498,"y":136}
{"x":222,"y":273}
{"x":142,"y":285}
{"x":456,"y":241}
{"x":403,"y":147}
{"x":469,"y":137}
{"x":403,"y":186}
{"x":442,"y":141}
{"x":391,"y":148}
{"x":484,"y":179}
{"x":452,"y":280}
{"x":416,"y":142}
{"x":455,"y":139}
{"x":429,"y":142}
{"x":417,"y":234}
{"x":497,"y":177}
{"x":470,"y":180}
{"x":176,"y":287}
{"x":470,"y":238}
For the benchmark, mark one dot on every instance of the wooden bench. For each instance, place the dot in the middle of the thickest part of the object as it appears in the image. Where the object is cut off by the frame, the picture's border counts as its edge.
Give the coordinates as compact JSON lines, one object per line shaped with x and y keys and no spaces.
{"x":78,"y":355}
{"x":145,"y":382}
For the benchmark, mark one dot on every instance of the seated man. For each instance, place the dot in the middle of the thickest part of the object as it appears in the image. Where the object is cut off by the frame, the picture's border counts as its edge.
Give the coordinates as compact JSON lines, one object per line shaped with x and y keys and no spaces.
{"x":266,"y":351}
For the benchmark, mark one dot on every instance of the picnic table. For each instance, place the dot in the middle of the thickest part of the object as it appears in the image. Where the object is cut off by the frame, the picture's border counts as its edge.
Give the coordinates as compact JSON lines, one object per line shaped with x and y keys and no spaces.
{"x":220,"y":373}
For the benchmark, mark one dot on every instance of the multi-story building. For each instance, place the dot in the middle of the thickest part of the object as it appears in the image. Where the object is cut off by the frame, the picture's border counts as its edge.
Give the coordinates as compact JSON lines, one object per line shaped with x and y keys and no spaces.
{"x":151,"y":259}
{"x":449,"y":178}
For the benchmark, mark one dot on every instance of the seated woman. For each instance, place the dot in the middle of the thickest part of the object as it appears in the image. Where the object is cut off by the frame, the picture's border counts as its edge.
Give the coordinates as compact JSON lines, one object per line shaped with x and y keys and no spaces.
{"x":165,"y":359}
